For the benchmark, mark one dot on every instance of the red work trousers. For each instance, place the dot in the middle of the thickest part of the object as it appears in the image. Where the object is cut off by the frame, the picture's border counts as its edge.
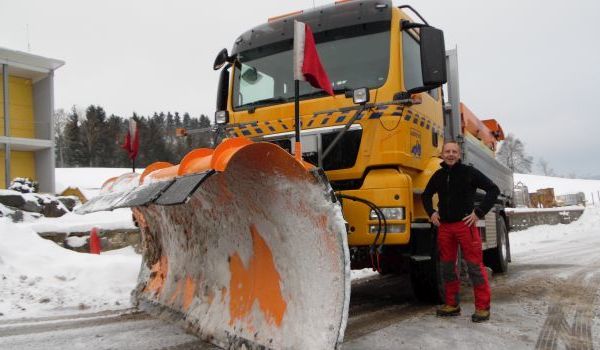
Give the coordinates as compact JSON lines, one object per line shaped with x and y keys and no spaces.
{"x":450,"y":236}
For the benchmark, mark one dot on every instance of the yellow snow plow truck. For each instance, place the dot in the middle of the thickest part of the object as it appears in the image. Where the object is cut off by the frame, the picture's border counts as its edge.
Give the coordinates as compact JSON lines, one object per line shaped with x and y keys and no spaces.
{"x":253,"y":247}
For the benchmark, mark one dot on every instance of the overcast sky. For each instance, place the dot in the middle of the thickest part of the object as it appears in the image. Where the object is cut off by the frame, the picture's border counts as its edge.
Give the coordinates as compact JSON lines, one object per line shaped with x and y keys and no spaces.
{"x":532,"y":65}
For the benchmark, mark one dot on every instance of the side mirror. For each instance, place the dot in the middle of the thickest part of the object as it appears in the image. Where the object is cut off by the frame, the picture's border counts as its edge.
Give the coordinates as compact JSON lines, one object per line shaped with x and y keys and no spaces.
{"x":221,"y":59}
{"x":433,"y":57}
{"x":251,"y":76}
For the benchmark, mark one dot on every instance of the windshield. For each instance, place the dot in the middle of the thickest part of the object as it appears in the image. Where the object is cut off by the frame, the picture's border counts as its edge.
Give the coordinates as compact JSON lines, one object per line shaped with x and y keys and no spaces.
{"x":354,"y":57}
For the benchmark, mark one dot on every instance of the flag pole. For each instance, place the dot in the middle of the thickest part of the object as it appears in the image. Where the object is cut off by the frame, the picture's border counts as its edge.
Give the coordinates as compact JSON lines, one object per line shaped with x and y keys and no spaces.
{"x":298,"y":144}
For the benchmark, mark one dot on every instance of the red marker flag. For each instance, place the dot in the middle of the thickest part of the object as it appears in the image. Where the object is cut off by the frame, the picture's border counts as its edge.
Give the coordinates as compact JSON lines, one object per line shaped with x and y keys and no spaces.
{"x":307,"y":66}
{"x":132,"y":140}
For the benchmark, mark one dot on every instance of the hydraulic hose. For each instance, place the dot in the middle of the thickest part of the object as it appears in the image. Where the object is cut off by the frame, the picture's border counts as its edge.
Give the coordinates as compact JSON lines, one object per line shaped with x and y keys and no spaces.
{"x":380,"y":218}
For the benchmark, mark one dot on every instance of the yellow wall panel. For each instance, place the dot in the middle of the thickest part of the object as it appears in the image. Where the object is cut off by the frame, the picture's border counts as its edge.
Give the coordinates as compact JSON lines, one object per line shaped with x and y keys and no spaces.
{"x":1,"y":106}
{"x":2,"y":178}
{"x":22,"y":122}
{"x":22,"y":164}
{"x":21,"y":107}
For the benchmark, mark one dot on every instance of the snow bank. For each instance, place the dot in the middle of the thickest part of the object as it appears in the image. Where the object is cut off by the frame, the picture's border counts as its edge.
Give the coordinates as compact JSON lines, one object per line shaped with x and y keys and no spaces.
{"x":587,"y":226}
{"x":71,"y":222}
{"x":39,"y":278}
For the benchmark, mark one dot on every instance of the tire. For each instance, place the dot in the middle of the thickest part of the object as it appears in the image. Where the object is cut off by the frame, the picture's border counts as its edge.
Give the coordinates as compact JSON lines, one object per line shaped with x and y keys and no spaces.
{"x":426,"y":277}
{"x":497,"y":258}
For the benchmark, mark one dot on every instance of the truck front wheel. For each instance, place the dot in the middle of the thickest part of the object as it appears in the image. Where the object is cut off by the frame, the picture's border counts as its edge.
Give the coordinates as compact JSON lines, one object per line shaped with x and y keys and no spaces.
{"x":426,"y":276}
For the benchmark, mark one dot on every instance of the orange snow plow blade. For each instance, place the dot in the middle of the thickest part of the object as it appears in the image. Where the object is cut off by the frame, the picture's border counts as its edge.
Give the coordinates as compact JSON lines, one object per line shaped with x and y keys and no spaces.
{"x":244,"y":243}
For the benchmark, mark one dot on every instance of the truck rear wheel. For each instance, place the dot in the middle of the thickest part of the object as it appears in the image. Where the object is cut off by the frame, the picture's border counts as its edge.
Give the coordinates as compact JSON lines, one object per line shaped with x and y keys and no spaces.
{"x":426,"y":277}
{"x":497,"y":257}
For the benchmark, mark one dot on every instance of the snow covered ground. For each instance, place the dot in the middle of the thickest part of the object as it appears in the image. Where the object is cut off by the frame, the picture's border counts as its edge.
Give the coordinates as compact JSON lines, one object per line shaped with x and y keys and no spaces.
{"x":39,"y":278}
{"x":553,"y":281}
{"x":553,"y":275}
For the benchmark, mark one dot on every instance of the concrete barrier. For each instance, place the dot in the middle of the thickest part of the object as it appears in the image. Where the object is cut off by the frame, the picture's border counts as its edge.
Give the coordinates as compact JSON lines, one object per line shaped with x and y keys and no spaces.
{"x":523,"y":218}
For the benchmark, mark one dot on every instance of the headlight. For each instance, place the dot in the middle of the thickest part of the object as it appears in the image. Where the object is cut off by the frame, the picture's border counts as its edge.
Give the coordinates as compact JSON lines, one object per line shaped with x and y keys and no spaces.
{"x":360,"y":96}
{"x":393,"y":228}
{"x":389,"y":213}
{"x":221,"y":117}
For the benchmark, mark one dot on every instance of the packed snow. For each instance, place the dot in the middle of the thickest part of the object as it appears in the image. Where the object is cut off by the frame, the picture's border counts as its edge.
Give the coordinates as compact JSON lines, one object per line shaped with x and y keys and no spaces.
{"x":71,"y":222}
{"x":553,"y":268}
{"x":40,"y":278}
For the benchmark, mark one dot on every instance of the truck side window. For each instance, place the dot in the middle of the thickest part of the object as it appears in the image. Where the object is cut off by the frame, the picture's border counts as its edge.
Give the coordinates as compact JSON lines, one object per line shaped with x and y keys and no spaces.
{"x":411,"y":60}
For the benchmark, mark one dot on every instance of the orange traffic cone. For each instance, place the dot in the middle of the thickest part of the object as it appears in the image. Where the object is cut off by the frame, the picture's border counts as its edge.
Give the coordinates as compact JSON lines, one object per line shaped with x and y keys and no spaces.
{"x":95,"y":246}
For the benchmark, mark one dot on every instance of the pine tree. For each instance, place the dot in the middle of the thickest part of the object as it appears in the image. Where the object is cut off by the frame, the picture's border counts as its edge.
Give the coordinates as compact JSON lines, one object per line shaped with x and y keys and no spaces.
{"x":93,"y":127}
{"x":205,"y":138}
{"x":158,"y":147}
{"x":74,"y":154}
{"x":114,"y":156}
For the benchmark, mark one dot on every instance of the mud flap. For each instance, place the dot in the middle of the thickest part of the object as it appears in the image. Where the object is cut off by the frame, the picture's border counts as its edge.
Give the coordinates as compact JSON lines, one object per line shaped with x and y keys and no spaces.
{"x":250,"y":253}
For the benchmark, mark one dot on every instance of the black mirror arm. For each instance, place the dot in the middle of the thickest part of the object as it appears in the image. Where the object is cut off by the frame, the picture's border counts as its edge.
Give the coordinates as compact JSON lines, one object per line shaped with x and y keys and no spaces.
{"x":410,"y":25}
{"x":421,"y":89}
{"x":414,"y":11}
{"x":232,"y":58}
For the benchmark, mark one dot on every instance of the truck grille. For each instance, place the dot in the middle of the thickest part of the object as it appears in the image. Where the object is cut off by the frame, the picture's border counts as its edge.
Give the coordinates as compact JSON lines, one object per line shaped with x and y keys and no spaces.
{"x":344,"y":153}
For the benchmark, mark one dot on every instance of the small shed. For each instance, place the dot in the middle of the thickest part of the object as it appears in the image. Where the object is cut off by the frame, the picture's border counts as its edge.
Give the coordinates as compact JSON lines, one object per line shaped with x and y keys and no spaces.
{"x":74,"y":191}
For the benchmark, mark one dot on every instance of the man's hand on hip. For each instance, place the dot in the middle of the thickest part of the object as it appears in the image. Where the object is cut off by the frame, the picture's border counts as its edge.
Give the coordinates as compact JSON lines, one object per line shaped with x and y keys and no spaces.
{"x":435,"y":218}
{"x":471,"y":219}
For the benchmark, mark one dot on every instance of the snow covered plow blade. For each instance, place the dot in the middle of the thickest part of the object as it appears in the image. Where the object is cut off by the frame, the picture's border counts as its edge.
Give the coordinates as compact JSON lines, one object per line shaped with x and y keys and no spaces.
{"x":243,"y":244}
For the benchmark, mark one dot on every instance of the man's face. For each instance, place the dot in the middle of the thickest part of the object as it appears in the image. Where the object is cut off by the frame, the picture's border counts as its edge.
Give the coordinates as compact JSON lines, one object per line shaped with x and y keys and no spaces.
{"x":451,"y":153}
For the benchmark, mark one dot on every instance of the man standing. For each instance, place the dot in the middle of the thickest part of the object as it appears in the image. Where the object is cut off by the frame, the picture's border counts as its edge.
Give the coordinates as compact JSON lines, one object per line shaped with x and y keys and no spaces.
{"x":456,"y":218}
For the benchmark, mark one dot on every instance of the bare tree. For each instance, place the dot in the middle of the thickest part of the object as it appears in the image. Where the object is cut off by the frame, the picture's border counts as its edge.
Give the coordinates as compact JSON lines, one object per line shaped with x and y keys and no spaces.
{"x":545,"y":167}
{"x":512,"y":154}
{"x":60,"y":120}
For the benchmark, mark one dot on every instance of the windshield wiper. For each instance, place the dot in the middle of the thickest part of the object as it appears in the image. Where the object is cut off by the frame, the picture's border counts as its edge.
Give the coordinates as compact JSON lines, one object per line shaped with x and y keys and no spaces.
{"x":265,"y":101}
{"x":314,"y":94}
{"x":345,"y":89}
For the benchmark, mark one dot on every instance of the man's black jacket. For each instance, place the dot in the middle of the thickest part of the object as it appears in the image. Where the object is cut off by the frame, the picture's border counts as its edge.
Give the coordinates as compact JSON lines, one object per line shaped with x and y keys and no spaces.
{"x":456,"y":187}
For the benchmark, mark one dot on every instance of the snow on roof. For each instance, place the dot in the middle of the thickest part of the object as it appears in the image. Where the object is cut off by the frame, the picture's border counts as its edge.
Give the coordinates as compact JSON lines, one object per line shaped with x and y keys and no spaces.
{"x":27,"y":60}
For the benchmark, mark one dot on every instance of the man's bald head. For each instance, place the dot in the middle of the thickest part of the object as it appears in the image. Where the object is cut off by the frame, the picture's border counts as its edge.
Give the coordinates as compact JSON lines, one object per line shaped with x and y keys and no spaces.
{"x":451,"y":152}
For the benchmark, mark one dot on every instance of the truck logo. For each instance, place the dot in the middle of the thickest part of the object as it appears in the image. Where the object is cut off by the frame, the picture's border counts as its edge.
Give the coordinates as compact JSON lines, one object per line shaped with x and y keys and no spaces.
{"x":415,"y":141}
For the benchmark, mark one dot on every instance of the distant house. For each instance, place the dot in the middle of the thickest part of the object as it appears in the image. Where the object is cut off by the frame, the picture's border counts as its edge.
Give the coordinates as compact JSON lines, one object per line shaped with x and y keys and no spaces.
{"x":26,"y":118}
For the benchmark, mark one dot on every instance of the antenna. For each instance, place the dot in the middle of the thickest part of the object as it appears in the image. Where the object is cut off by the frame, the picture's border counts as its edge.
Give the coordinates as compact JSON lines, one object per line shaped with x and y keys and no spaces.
{"x":28,"y":42}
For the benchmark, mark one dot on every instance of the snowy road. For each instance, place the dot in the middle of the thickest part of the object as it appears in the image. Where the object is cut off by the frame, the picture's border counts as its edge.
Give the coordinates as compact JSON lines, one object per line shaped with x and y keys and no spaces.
{"x":103,"y":330}
{"x":549,"y":300}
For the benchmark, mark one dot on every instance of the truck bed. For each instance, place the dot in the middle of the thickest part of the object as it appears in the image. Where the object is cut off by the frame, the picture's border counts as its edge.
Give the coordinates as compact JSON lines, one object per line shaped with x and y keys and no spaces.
{"x":478,"y":157}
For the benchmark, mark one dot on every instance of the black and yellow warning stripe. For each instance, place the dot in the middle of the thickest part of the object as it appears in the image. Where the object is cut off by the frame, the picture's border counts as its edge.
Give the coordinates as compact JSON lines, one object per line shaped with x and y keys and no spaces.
{"x":328,"y":119}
